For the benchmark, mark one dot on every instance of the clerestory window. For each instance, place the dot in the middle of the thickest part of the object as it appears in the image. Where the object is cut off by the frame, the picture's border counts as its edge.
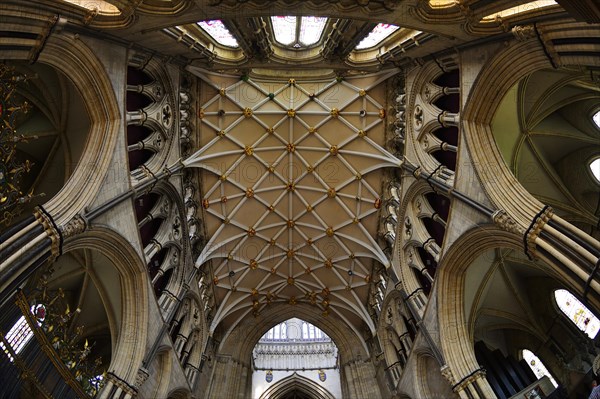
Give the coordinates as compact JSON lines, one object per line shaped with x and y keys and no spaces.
{"x":377,"y":35}
{"x":298,"y":32}
{"x":219,"y":32}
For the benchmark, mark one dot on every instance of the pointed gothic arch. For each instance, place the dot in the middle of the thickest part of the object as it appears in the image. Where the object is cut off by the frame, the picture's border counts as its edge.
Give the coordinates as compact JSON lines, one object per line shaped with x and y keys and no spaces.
{"x":296,"y":382}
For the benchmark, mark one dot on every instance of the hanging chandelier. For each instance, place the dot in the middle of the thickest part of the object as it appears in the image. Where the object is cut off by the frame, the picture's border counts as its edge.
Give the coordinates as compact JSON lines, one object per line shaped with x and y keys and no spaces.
{"x":12,"y":169}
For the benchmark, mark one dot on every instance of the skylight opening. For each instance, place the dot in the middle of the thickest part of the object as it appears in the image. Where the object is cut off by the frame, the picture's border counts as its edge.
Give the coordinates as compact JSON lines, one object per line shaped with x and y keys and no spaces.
{"x":522,"y":8}
{"x":595,"y":168}
{"x":219,"y":32}
{"x":580,"y":315}
{"x":298,"y":32}
{"x":103,"y":7}
{"x":377,"y":35}
{"x":537,"y":366}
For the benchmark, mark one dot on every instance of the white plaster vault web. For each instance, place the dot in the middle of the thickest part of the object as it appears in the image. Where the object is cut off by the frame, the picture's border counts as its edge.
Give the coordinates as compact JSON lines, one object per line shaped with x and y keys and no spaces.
{"x":291,"y":187}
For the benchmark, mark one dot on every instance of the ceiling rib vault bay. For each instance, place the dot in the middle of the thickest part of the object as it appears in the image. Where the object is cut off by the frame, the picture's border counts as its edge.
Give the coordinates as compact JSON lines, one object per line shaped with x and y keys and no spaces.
{"x":291,"y":177}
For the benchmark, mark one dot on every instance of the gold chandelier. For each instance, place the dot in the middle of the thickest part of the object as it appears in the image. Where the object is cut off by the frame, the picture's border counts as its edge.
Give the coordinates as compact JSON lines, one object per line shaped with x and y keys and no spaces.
{"x":12,"y":169}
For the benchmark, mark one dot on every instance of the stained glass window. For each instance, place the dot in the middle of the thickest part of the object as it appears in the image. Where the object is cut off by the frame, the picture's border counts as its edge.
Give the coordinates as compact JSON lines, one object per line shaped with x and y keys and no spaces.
{"x":537,"y":366}
{"x":595,"y":167}
{"x":298,"y":31}
{"x":580,"y":315}
{"x":218,"y":31}
{"x":509,"y":12}
{"x":377,"y":35}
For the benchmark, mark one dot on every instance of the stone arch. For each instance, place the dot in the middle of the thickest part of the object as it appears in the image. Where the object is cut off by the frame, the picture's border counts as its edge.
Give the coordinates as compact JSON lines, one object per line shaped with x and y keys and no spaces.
{"x":501,"y":72}
{"x":77,"y":61}
{"x":160,"y":369}
{"x":179,"y":393}
{"x":234,"y":361}
{"x":296,"y":382}
{"x":429,"y":380}
{"x":242,"y":339}
{"x":129,"y":348}
{"x":456,"y":340}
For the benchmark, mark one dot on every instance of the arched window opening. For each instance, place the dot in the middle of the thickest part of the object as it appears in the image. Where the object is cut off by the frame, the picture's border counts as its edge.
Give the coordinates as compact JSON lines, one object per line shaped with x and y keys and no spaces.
{"x":577,"y":312}
{"x":298,"y":32}
{"x":595,"y":167}
{"x":219,"y":32}
{"x":596,"y":119}
{"x":377,"y":35}
{"x":537,"y":366}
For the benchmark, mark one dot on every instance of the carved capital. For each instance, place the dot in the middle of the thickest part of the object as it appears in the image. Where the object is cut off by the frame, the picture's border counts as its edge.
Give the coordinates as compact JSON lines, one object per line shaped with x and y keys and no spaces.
{"x":535,"y":229}
{"x":141,"y":377}
{"x":507,"y":223}
{"x":447,"y":373}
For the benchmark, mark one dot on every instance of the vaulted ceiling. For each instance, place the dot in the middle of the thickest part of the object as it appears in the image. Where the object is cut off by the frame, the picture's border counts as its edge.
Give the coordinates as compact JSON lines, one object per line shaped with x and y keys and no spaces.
{"x":291,"y":191}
